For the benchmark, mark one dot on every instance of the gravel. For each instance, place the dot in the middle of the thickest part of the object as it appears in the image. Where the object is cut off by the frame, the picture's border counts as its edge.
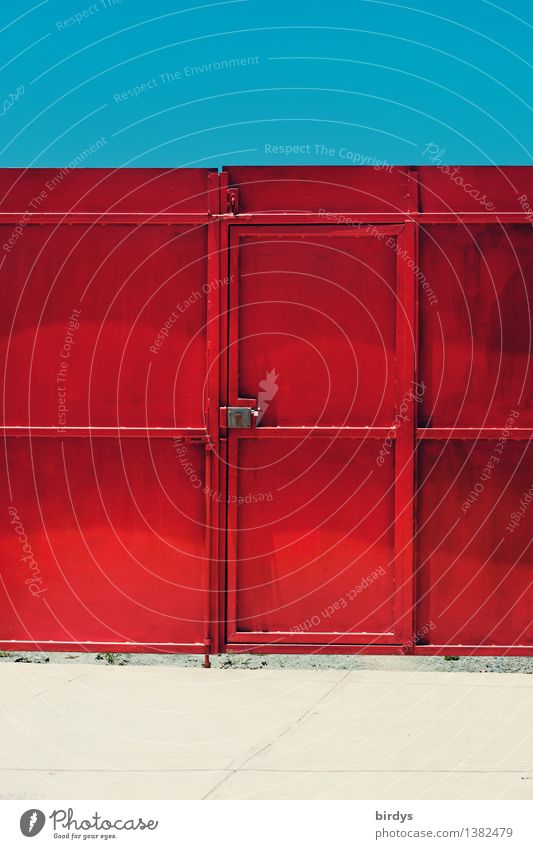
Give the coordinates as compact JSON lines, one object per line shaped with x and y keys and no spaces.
{"x":284,"y":661}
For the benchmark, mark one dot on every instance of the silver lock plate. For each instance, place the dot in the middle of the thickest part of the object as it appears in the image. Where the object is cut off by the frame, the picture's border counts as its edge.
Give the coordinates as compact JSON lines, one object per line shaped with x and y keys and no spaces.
{"x":239,"y":417}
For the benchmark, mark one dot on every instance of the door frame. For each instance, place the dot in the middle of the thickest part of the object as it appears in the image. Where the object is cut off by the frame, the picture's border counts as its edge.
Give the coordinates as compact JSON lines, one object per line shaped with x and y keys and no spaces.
{"x":401,"y":638}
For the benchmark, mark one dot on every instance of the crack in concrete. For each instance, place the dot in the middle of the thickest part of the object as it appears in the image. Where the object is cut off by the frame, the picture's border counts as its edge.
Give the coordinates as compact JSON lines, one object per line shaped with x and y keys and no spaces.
{"x":293,"y":724}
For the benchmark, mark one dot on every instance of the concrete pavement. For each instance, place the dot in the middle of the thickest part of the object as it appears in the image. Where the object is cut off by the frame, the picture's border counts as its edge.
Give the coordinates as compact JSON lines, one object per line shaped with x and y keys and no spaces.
{"x":160,"y":732}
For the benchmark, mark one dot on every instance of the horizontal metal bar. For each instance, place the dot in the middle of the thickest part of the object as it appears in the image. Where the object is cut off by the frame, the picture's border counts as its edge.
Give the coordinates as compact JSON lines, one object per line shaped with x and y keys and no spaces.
{"x":311,"y":638}
{"x":354,"y":218}
{"x":496,"y":650}
{"x":114,"y":432}
{"x":104,"y":218}
{"x":334,"y":219}
{"x":472,"y":217}
{"x":350,"y":219}
{"x":88,"y":646}
{"x":518,"y":433}
{"x":309,"y":648}
{"x":310,"y":431}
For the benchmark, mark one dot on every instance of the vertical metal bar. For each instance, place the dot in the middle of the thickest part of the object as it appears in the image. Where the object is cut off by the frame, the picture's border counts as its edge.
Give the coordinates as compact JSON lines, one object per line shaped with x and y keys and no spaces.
{"x":224,"y":272}
{"x":208,"y":557}
{"x":415,"y":284}
{"x":233,"y":323}
{"x":232,"y":535}
{"x":212,"y":401}
{"x":213,"y":311}
{"x":224,"y":262}
{"x":220,"y":588}
{"x":406,"y":393}
{"x":233,"y":435}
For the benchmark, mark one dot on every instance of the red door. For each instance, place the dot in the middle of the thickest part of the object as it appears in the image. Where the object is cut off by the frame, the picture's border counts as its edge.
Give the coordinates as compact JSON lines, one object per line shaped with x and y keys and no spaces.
{"x":319,"y":514}
{"x":103,"y":541}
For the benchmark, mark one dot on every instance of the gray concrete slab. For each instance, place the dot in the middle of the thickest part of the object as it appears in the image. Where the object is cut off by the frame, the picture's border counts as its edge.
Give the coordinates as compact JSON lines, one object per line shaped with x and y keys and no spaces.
{"x":285,"y":784}
{"x":109,"y":784}
{"x":168,"y":732}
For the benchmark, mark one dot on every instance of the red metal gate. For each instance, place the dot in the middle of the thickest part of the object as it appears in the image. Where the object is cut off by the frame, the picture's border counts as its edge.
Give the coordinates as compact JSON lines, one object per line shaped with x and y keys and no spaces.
{"x":272,"y":409}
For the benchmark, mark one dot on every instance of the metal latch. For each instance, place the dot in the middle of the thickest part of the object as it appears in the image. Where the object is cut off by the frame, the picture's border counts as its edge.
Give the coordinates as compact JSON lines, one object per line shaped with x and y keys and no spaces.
{"x":233,"y":201}
{"x":239,"y":416}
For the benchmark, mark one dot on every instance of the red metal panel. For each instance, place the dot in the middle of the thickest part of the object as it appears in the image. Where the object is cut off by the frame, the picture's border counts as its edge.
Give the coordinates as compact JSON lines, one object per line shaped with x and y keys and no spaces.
{"x":476,"y":189}
{"x":312,"y":560}
{"x":102,"y":542}
{"x":99,"y":190}
{"x":104,"y":326}
{"x":475,"y":328}
{"x":308,"y":305}
{"x":474,"y":587}
{"x":313,"y":188}
{"x":474,"y":549}
{"x":103,"y":338}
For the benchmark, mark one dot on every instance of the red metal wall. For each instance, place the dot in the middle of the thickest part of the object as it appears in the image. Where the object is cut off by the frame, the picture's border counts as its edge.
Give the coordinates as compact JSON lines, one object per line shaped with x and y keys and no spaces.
{"x":379,"y":319}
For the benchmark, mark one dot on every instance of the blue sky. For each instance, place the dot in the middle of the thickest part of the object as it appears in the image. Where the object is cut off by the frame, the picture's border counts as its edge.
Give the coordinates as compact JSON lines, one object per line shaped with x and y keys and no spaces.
{"x":243,"y":82}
